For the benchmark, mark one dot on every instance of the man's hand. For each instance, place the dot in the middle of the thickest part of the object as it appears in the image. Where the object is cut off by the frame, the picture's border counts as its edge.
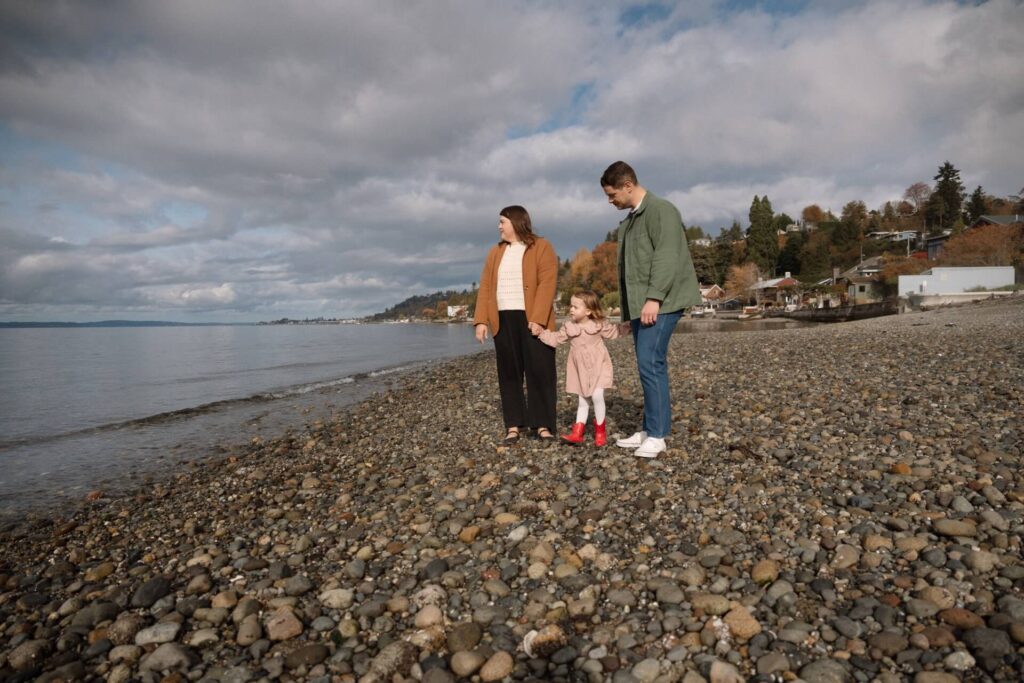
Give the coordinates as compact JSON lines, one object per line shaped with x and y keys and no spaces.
{"x":535,"y":329}
{"x":649,"y":313}
{"x":480,"y":329}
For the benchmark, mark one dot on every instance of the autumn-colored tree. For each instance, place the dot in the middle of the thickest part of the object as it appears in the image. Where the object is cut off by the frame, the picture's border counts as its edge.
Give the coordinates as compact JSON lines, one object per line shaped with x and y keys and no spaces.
{"x":992,"y":245}
{"x":580,"y":273}
{"x":740,"y":279}
{"x":894,"y":266}
{"x":605,"y":269}
{"x":581,"y":266}
{"x":812,"y":214}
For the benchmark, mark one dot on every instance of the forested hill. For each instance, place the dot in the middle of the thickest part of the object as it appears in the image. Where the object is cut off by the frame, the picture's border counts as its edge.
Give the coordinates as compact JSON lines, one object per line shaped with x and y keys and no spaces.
{"x":427,"y":305}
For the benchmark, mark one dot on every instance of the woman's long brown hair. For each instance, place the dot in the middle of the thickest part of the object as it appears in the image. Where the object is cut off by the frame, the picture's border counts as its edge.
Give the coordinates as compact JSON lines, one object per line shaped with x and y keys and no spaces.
{"x":520,"y":219}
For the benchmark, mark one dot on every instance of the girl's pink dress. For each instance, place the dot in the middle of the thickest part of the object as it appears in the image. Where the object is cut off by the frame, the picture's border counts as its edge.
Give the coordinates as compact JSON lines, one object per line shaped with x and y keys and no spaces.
{"x":589,"y":366}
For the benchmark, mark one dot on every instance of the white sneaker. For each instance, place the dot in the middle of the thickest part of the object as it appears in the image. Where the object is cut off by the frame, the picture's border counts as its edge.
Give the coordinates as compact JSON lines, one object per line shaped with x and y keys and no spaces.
{"x":633,"y":441}
{"x":650,"y":448}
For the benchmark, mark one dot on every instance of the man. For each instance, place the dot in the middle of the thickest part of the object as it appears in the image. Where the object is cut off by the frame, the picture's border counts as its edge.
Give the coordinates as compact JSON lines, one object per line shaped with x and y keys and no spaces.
{"x":657,"y":283}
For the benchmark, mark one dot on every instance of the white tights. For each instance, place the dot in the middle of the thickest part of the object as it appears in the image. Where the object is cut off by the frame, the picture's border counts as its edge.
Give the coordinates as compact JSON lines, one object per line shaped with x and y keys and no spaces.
{"x":584,"y":407}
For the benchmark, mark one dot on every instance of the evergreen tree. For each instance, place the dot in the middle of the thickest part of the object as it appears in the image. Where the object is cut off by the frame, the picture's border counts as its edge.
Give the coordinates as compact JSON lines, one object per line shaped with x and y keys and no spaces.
{"x":694,"y":233}
{"x":815,"y":257}
{"x":728,"y":251}
{"x":735,"y":232}
{"x":782,"y":222}
{"x":850,"y":229}
{"x":762,"y":242}
{"x":976,"y":206}
{"x":950,"y":191}
{"x":789,"y":257}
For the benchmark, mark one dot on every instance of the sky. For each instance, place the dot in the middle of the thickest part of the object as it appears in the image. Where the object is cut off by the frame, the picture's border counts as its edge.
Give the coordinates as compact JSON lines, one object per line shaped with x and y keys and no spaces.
{"x":247,"y":160}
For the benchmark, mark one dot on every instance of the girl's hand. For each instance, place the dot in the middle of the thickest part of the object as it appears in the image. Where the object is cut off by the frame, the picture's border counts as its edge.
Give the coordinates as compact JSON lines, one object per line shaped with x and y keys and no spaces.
{"x":535,"y":329}
{"x":480,"y":330}
{"x":625,"y":328}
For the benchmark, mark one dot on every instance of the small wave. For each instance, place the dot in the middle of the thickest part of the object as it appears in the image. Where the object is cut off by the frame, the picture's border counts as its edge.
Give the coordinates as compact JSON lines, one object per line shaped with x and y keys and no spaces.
{"x":390,"y":371}
{"x":309,"y":388}
{"x":182,"y":413}
{"x":206,"y":408}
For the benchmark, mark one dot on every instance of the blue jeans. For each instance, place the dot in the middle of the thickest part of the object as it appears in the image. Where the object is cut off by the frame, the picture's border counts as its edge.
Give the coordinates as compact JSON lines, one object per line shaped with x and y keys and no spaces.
{"x":651,"y":344}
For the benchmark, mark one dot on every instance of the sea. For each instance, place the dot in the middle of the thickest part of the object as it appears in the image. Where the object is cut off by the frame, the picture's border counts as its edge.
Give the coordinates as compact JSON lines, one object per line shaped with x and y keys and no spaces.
{"x":86,"y":409}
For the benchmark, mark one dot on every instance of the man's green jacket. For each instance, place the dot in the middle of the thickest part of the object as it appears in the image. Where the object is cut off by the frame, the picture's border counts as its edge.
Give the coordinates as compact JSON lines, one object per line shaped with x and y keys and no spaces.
{"x":654,"y":260}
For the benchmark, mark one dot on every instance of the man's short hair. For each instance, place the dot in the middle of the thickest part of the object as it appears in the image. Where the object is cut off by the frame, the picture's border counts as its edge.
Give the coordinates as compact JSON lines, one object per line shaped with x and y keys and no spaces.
{"x":617,"y":174}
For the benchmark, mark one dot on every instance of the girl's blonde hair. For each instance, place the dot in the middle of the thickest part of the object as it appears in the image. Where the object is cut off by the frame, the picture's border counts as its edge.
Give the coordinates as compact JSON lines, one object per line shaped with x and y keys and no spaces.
{"x":592,"y":302}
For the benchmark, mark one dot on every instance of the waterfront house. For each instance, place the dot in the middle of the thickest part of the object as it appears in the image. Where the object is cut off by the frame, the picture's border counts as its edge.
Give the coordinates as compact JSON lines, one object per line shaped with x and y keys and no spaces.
{"x":863,"y":282}
{"x":711,"y":294}
{"x":779,"y":291}
{"x":458,"y":312}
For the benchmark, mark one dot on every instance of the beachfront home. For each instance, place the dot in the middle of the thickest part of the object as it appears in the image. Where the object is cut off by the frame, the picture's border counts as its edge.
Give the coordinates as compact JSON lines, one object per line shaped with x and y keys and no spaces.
{"x":779,"y":291}
{"x":711,"y":295}
{"x":458,"y":311}
{"x":863,"y":282}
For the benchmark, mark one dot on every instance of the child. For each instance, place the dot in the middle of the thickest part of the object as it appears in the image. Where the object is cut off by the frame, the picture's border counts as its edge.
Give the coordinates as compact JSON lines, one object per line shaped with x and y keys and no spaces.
{"x":589,"y":369}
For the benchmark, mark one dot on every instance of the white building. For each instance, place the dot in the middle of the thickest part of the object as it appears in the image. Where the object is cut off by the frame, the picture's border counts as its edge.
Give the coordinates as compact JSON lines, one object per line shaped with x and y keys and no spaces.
{"x":956,"y":280}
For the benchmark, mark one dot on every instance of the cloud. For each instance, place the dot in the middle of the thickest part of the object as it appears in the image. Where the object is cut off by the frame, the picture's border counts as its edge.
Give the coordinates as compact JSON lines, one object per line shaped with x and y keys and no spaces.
{"x":234,"y":160}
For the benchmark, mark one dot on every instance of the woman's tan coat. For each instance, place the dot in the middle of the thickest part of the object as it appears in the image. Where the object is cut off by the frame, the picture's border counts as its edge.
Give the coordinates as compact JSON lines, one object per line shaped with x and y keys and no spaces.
{"x":540,"y":279}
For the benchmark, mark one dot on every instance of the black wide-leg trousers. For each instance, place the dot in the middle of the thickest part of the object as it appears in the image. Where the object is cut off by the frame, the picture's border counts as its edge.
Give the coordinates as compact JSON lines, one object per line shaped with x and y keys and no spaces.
{"x":521,"y":355}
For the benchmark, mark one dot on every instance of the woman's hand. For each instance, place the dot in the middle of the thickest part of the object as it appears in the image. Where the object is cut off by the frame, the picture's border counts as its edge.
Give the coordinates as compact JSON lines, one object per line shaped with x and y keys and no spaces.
{"x":535,"y":329}
{"x":480,"y":329}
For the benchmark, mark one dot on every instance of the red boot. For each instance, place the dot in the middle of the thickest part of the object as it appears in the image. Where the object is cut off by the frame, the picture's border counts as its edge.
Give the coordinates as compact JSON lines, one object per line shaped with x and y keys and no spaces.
{"x":576,"y":436}
{"x":600,"y":436}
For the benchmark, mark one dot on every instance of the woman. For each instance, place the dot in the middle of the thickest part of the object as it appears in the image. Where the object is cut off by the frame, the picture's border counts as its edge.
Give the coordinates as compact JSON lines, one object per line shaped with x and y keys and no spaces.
{"x":517,"y":287}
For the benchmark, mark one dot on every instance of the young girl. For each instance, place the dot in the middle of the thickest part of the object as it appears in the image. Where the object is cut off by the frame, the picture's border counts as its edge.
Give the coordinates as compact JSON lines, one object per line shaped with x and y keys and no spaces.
{"x":589,"y":369}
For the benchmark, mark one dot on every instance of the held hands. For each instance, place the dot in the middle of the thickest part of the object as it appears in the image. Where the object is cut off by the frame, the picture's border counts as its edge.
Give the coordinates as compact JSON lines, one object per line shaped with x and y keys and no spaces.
{"x":624,"y":329}
{"x":480,"y":330}
{"x":535,"y":329}
{"x":649,"y":313}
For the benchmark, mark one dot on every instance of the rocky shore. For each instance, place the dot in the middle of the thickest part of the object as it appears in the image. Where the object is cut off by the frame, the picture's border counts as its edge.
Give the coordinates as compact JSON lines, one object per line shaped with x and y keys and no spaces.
{"x":839,"y":503}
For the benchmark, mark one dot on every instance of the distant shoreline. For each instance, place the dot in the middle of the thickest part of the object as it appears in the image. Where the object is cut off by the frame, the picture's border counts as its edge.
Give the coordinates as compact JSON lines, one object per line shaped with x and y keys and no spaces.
{"x":114,"y":323}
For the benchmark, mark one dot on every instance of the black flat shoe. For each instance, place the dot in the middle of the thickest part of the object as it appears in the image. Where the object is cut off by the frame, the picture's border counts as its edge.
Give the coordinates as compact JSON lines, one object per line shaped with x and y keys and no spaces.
{"x":548,"y":437}
{"x":511,"y":437}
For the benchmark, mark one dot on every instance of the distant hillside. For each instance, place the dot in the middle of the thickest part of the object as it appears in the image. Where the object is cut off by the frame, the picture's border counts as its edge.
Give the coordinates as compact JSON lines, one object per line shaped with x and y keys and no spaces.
{"x":426,"y":305}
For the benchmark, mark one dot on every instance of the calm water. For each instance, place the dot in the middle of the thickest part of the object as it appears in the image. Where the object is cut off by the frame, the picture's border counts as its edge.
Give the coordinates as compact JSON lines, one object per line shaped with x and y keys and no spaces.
{"x":103,"y":408}
{"x":85,"y":408}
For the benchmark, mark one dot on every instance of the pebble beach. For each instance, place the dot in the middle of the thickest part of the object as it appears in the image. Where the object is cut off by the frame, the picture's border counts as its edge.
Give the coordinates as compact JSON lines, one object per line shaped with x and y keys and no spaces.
{"x":839,"y":503}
